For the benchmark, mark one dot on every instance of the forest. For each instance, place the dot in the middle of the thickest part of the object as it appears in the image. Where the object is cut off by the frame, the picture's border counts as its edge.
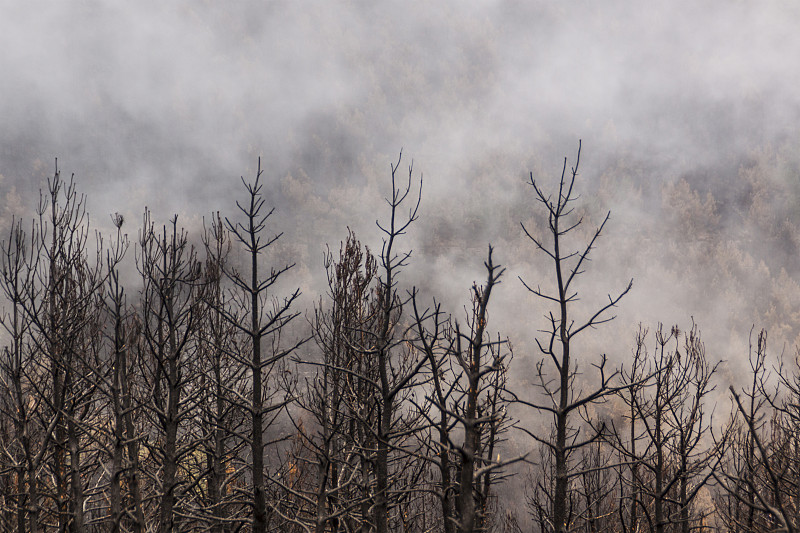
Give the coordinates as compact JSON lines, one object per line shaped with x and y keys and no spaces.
{"x":513,"y":341}
{"x":166,"y":381}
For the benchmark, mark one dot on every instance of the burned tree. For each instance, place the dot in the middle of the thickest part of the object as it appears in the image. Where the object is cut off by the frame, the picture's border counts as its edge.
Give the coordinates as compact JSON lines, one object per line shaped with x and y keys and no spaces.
{"x":468,"y":398}
{"x":119,"y":381}
{"x":668,"y":443}
{"x":557,"y":372}
{"x":169,"y":316}
{"x":760,"y":475}
{"x":363,"y":435}
{"x":741,"y":474}
{"x":24,"y":443}
{"x":335,"y":433}
{"x":51,"y":282}
{"x":260,"y":317}
{"x":223,"y":382}
{"x":397,"y":365}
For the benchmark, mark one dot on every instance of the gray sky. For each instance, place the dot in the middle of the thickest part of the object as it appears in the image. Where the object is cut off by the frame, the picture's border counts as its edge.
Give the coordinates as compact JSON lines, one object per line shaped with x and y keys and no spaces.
{"x":688,"y":113}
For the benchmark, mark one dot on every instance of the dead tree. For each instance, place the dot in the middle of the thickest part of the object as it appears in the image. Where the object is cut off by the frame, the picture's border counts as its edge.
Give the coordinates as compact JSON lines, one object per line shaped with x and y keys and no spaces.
{"x":596,"y":490}
{"x":51,"y":282}
{"x":169,"y":316}
{"x":563,"y":398}
{"x":741,"y":475}
{"x":332,"y":444}
{"x":261,"y":318}
{"x":223,"y":381}
{"x":469,"y":417}
{"x":119,"y":382}
{"x":26,"y":443}
{"x":766,"y":484}
{"x":51,"y":285}
{"x":631,"y":499}
{"x":397,"y":366}
{"x":672,"y":449}
{"x":539,"y":492}
{"x":695,"y":456}
{"x":62,"y":308}
{"x":368,"y":372}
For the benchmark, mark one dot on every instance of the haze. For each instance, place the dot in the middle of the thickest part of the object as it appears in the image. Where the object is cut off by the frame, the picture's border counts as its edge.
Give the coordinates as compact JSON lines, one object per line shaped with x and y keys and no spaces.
{"x":688,"y":114}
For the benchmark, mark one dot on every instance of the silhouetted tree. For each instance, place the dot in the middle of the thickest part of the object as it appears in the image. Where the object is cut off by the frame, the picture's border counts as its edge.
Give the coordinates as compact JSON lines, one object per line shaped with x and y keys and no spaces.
{"x":468,"y":416}
{"x":261,"y":317}
{"x":563,"y":398}
{"x":25,"y":442}
{"x":763,"y":475}
{"x":670,"y":444}
{"x":116,"y":379}
{"x":397,"y":364}
{"x":333,"y":446}
{"x":223,"y":382}
{"x":170,"y":315}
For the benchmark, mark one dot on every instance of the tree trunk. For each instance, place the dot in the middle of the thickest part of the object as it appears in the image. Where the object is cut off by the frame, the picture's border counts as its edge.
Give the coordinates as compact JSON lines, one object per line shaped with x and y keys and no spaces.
{"x":259,"y":499}
{"x":76,"y":486}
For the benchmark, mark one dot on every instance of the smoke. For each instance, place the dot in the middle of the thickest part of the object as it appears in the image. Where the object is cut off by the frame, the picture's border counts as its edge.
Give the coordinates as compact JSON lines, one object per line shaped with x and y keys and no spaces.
{"x":688,"y":113}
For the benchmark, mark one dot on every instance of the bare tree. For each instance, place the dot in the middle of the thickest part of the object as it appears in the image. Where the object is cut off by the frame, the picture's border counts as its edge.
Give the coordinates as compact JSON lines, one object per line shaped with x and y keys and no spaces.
{"x":25,"y":442}
{"x":261,"y":318}
{"x":742,"y":474}
{"x":362,"y":434}
{"x":397,"y":366}
{"x":222,"y":381}
{"x":765,"y":480}
{"x":62,"y":307}
{"x":51,"y":282}
{"x":539,"y":491}
{"x":169,"y":316}
{"x":118,"y":382}
{"x":62,"y":310}
{"x":333,"y":443}
{"x":670,"y":442}
{"x":562,"y":398}
{"x":468,"y":373}
{"x":596,"y":490}
{"x":631,"y":496}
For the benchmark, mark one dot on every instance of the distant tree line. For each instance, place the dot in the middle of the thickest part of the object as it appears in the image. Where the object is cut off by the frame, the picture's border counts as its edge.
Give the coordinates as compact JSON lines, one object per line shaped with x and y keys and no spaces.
{"x":200,"y":400}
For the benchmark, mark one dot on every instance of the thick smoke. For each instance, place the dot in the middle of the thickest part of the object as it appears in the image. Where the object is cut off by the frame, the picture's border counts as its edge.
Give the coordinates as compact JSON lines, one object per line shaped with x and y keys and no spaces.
{"x":688,"y":113}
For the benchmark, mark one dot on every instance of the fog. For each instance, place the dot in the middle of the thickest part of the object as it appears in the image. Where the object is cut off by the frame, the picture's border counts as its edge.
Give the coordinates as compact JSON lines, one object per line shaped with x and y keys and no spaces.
{"x":687,"y":112}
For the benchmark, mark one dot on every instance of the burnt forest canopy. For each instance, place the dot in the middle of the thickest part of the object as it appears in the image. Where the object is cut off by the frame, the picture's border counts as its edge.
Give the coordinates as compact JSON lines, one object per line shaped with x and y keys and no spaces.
{"x":687,"y":116}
